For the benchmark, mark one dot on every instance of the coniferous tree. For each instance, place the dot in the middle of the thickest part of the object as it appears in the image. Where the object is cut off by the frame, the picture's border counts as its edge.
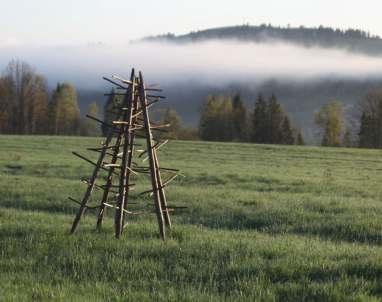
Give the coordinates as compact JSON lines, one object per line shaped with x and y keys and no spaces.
{"x":260,"y":121}
{"x":370,"y":134}
{"x":225,"y":129}
{"x":287,"y":137}
{"x":300,"y":139}
{"x":239,"y":118}
{"x":216,"y":119}
{"x":207,"y":124}
{"x":276,"y":117}
{"x":225,"y":120}
{"x":366,"y":133}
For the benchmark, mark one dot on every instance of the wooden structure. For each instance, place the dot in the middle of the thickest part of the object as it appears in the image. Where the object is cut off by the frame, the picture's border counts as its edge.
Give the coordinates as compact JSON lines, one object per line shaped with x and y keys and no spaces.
{"x":116,"y":157}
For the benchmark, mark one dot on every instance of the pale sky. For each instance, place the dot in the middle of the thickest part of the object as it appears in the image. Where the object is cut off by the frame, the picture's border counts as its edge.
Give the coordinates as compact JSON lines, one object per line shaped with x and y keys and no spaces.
{"x":52,"y":22}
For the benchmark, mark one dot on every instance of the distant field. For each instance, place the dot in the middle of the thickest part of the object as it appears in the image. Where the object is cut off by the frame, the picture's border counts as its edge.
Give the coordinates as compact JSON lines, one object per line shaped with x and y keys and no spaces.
{"x":263,"y":223}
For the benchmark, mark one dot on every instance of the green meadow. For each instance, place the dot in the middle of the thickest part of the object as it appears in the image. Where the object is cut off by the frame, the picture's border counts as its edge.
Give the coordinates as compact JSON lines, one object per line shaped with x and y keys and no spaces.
{"x":262,"y":223}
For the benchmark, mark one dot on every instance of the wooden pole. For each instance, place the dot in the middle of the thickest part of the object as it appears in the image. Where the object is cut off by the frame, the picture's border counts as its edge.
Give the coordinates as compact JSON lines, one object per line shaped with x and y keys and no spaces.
{"x":118,"y":220}
{"x":162,"y":194}
{"x":153,"y":167}
{"x":131,"y":151}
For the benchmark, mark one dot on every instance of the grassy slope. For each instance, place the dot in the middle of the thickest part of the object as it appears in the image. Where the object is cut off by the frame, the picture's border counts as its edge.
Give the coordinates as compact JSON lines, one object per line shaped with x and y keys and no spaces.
{"x":264,"y":222}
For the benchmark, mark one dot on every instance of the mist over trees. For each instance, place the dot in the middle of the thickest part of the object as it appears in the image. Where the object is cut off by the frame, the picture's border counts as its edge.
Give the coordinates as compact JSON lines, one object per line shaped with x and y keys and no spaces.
{"x":350,"y":39}
{"x":27,"y":107}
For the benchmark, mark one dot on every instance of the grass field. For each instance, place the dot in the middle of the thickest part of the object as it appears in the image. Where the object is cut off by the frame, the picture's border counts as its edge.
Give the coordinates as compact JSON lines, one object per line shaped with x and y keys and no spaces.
{"x":263,"y":223}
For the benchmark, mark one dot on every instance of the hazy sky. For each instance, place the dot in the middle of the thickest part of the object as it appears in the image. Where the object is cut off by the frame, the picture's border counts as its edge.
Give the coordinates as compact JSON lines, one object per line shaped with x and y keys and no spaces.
{"x":50,"y":22}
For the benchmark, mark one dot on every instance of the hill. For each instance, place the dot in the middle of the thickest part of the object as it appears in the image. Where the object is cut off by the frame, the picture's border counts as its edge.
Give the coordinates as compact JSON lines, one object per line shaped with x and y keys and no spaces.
{"x":263,"y":223}
{"x":353,"y":40}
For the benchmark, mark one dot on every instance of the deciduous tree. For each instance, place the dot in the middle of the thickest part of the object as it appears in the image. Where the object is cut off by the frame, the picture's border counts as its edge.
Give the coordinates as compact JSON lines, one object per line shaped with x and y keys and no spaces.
{"x":65,"y":114}
{"x":330,"y":121}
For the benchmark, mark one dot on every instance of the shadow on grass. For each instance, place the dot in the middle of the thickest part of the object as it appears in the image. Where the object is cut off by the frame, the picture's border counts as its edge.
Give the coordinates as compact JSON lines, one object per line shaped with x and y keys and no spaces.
{"x":64,"y":207}
{"x":331,"y":227}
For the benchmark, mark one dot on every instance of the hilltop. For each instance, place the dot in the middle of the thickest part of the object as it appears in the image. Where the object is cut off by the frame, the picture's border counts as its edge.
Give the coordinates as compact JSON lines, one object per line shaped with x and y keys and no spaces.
{"x":354,"y":40}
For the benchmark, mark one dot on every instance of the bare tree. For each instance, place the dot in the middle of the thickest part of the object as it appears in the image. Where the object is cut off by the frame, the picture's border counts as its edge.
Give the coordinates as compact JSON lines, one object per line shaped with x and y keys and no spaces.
{"x":25,"y":98}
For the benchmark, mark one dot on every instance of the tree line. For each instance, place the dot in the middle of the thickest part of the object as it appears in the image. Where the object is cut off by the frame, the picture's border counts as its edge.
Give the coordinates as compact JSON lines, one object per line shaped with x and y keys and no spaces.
{"x":225,"y":118}
{"x":27,"y":107}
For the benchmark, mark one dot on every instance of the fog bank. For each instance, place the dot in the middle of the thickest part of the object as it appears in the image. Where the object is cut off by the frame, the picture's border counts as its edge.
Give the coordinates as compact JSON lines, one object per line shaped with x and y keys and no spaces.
{"x":214,"y":62}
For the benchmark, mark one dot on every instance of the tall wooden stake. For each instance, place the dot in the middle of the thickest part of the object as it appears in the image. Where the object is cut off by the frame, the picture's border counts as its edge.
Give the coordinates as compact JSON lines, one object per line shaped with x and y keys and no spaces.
{"x":125,"y":172}
{"x":150,"y":151}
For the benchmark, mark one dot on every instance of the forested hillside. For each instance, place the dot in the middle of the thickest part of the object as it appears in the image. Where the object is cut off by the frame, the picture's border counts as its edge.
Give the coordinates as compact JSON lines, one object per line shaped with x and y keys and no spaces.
{"x":354,"y":40}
